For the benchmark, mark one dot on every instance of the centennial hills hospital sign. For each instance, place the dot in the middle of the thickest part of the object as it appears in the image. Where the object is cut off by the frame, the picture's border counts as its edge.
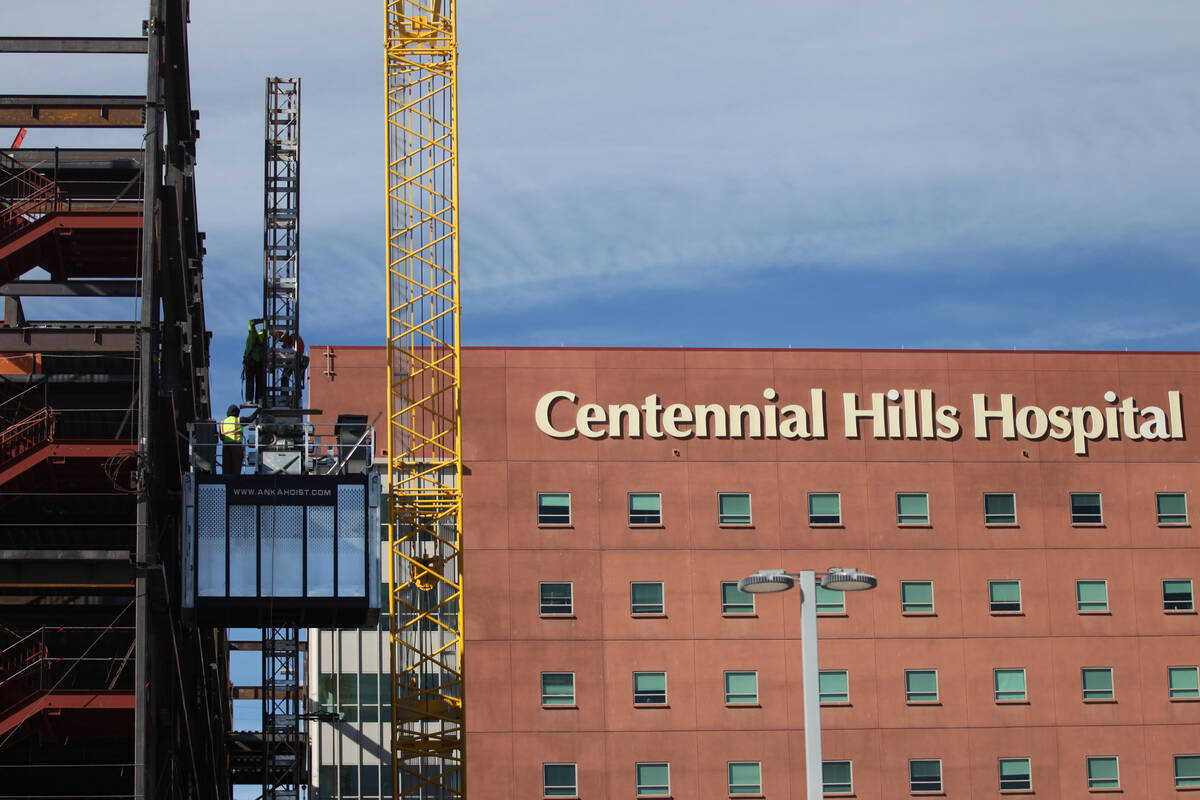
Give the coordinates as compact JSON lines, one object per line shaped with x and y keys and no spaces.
{"x":891,"y":414}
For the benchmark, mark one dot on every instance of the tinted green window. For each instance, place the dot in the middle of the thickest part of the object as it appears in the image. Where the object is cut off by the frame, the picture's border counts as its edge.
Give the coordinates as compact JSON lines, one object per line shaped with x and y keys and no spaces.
{"x":348,"y":700}
{"x":558,"y":688}
{"x":348,"y":781}
{"x":1004,"y":595}
{"x":745,"y":777}
{"x":834,"y":686}
{"x":920,"y":685}
{"x":925,"y":775}
{"x":1187,"y":771}
{"x":645,"y":509}
{"x":1102,"y":772}
{"x":368,"y":698}
{"x":734,"y":601}
{"x":653,"y":780}
{"x":555,"y":598}
{"x":646,"y":597}
{"x":1091,"y":595}
{"x":824,"y":508}
{"x":1097,"y":683}
{"x":1177,"y":595}
{"x":327,"y":691}
{"x":916,"y":597}
{"x":328,"y":777}
{"x":558,"y":780}
{"x":1183,"y":682}
{"x":741,"y":688}
{"x":650,"y":688}
{"x":1009,"y":684}
{"x":733,"y":509}
{"x":830,"y":601}
{"x":1000,"y":508}
{"x":1172,"y":508}
{"x":836,"y":778}
{"x":912,"y":509}
{"x":1085,"y":508}
{"x":1015,"y":774}
{"x":368,"y":782}
{"x":554,"y":508}
{"x":385,"y":701}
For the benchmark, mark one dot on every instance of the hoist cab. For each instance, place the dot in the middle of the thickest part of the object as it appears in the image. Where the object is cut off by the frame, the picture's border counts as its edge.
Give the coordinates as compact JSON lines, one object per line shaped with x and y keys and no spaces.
{"x":291,"y":539}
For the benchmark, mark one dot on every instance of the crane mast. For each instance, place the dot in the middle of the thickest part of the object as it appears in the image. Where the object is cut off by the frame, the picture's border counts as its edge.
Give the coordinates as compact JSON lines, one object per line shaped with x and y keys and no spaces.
{"x":424,"y":437}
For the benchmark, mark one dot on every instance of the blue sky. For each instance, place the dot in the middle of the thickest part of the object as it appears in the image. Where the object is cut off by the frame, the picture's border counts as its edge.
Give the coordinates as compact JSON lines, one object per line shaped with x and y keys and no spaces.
{"x":819,"y":174}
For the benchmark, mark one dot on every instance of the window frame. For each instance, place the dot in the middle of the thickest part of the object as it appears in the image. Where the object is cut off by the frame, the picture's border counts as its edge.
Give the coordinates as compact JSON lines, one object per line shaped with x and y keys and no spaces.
{"x":913,"y":697}
{"x":996,"y":523}
{"x":913,"y":608}
{"x":1159,"y":515}
{"x":542,"y":603}
{"x":646,"y":790}
{"x":726,"y":606}
{"x":812,"y":522}
{"x":928,"y":789}
{"x":1193,"y":780}
{"x":927,"y":518}
{"x":1190,"y":608}
{"x":573,"y":786}
{"x":571,"y":701}
{"x":1184,"y":698}
{"x":1083,"y":519}
{"x":662,"y":600}
{"x":555,"y":523}
{"x":993,"y":602}
{"x":649,"y":693}
{"x":1028,"y":781}
{"x":848,"y":783}
{"x":996,"y":692}
{"x":1092,"y":781}
{"x":753,"y":701}
{"x":754,"y":789}
{"x":1079,"y":601}
{"x":825,"y":698}
{"x":724,"y":523}
{"x":647,"y":523}
{"x":1098,"y":695}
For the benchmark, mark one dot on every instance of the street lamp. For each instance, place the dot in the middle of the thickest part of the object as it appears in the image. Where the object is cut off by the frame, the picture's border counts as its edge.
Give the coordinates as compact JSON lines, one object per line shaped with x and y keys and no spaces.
{"x":840,"y":579}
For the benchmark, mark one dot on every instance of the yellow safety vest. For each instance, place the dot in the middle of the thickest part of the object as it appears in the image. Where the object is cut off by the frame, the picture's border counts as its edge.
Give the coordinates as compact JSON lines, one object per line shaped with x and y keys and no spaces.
{"x":231,"y":430}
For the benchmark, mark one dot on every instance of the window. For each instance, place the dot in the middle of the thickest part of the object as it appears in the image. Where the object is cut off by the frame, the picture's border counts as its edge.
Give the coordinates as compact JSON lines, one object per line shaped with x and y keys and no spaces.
{"x":1177,"y":595}
{"x":925,"y":775}
{"x":1004,"y":596}
{"x":649,"y":688}
{"x":1183,"y":683}
{"x":1015,"y":774}
{"x":1172,"y":508}
{"x":368,"y":781}
{"x":348,"y":699}
{"x":554,"y":508}
{"x":1085,"y":508}
{"x":824,"y":508}
{"x":368,"y":698}
{"x":745,"y":777}
{"x":645,"y":509}
{"x":733,"y":509}
{"x":916,"y":597}
{"x":328,"y":780}
{"x":912,"y":508}
{"x":836,"y":777}
{"x":734,"y":601}
{"x":999,"y":508}
{"x":1187,"y":771}
{"x":555,"y":599}
{"x":830,"y":601}
{"x":558,"y":688}
{"x":1091,"y":596}
{"x":1102,"y":772}
{"x":559,"y":780}
{"x":348,"y":781}
{"x":327,"y":692}
{"x":654,"y":779}
{"x":741,"y":688}
{"x":1098,"y":683}
{"x":1009,"y":685}
{"x":834,"y":686}
{"x":920,"y":685}
{"x":646,"y":597}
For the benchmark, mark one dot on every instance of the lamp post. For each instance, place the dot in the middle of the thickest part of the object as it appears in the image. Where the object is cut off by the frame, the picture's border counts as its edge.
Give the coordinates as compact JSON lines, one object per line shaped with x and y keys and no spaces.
{"x":839,"y":579}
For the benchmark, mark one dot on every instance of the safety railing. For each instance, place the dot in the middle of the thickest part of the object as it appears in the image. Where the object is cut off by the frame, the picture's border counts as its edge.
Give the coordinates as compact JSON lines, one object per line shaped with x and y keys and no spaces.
{"x":24,"y":435}
{"x":303,"y":448}
{"x":25,"y":196}
{"x":64,"y":658}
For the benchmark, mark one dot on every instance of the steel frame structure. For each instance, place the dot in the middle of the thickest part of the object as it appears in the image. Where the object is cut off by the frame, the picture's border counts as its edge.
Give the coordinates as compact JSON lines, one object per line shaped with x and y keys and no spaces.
{"x":424,"y":400}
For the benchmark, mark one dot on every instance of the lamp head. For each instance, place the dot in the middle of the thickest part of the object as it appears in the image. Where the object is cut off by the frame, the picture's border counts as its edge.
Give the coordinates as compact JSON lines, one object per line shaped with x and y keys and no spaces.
{"x":846,"y":579}
{"x":766,"y":580}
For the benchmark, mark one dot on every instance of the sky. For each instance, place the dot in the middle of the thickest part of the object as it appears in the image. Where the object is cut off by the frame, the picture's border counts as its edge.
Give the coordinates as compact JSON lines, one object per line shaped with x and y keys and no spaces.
{"x":993,"y":174}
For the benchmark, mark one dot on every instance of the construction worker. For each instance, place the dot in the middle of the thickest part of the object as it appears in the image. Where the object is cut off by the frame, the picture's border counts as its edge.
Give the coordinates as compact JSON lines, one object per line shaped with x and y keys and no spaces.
{"x":298,"y":365}
{"x":254,"y":364}
{"x":232,"y":448}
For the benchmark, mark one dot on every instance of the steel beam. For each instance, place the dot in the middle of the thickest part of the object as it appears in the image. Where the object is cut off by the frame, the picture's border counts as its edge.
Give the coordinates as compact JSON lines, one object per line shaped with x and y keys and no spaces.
{"x":80,"y":288}
{"x":72,"y":44}
{"x":80,"y":337}
{"x":72,"y":111}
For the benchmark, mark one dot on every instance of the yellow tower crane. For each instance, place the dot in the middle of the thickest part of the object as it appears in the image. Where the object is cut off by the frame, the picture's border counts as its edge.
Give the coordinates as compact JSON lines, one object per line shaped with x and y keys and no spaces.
{"x":424,"y":438}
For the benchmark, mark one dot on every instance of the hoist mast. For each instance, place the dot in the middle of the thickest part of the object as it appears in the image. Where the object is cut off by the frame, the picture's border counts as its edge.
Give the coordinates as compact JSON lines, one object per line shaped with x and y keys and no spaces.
{"x":424,"y":438}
